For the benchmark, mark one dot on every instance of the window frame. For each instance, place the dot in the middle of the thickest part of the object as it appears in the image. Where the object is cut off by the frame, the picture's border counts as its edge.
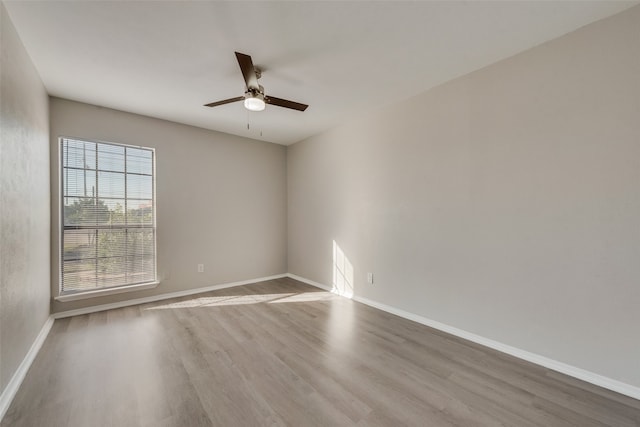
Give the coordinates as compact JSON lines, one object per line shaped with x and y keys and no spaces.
{"x":72,"y":295}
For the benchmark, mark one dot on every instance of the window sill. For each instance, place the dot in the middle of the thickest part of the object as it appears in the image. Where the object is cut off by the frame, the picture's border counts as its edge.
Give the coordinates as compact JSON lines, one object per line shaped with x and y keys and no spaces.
{"x":105,"y":292}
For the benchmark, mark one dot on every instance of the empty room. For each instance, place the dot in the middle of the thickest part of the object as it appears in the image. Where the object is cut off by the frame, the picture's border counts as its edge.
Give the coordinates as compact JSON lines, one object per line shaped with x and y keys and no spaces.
{"x":319,"y":213}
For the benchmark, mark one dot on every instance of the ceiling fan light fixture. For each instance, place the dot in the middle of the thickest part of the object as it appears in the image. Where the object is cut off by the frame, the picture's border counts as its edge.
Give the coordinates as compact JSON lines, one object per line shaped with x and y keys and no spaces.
{"x":254,"y":99}
{"x":254,"y":102}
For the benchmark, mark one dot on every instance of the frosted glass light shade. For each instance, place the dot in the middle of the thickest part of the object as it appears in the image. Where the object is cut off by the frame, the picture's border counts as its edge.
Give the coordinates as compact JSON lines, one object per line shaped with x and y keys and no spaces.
{"x":254,"y":104}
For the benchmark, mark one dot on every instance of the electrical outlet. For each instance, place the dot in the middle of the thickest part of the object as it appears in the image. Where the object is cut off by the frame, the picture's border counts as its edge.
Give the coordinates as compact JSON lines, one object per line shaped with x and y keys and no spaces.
{"x":200,"y":268}
{"x":370,"y":278}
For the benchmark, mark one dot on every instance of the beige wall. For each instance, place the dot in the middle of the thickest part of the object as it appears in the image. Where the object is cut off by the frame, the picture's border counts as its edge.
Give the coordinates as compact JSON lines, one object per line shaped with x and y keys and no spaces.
{"x":24,"y":201}
{"x":221,"y":199}
{"x":505,"y":203}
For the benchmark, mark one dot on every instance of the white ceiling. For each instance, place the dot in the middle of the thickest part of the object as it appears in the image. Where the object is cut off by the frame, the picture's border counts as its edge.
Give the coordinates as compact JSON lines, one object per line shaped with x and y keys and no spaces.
{"x":167,"y":59}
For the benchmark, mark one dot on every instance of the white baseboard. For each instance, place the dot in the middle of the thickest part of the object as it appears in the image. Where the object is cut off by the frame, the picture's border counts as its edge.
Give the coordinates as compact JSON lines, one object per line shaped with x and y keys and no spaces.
{"x":14,"y":384}
{"x":310,"y":282}
{"x":145,"y":300}
{"x":579,"y":373}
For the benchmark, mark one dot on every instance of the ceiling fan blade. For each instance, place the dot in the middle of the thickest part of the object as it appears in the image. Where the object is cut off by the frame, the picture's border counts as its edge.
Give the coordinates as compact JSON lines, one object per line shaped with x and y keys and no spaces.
{"x":248,"y":71}
{"x":285,"y":103}
{"x":226,"y":101}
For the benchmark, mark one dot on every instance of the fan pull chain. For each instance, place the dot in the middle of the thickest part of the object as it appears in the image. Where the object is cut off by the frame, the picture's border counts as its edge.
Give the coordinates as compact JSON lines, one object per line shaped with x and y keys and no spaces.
{"x":249,"y":122}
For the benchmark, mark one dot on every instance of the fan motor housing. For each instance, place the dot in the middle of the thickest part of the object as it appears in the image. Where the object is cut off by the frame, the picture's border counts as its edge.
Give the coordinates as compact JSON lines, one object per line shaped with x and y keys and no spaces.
{"x":254,"y":93}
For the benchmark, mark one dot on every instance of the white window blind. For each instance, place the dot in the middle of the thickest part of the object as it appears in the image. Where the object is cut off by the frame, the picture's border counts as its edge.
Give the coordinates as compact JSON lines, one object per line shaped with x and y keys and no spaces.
{"x":108,"y":215}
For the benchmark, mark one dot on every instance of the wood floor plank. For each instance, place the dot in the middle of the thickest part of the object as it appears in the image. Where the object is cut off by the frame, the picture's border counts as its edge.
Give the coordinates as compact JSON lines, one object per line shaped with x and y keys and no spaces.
{"x":282,"y":353}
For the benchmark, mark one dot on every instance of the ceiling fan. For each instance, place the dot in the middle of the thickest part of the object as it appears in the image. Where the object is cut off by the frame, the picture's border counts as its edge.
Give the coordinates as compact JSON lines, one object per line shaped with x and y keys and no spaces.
{"x":254,"y":97}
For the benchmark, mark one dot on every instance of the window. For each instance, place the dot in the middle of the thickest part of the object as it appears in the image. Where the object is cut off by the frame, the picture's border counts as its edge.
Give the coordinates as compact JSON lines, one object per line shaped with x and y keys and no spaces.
{"x":108,"y":224}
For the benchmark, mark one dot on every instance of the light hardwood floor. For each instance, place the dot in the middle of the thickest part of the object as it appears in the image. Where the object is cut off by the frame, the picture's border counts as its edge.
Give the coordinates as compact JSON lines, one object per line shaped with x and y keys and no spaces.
{"x":284,"y":353}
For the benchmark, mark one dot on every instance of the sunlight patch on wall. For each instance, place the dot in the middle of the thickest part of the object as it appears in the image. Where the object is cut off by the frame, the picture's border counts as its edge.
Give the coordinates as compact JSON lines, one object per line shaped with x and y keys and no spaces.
{"x":342,"y":273}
